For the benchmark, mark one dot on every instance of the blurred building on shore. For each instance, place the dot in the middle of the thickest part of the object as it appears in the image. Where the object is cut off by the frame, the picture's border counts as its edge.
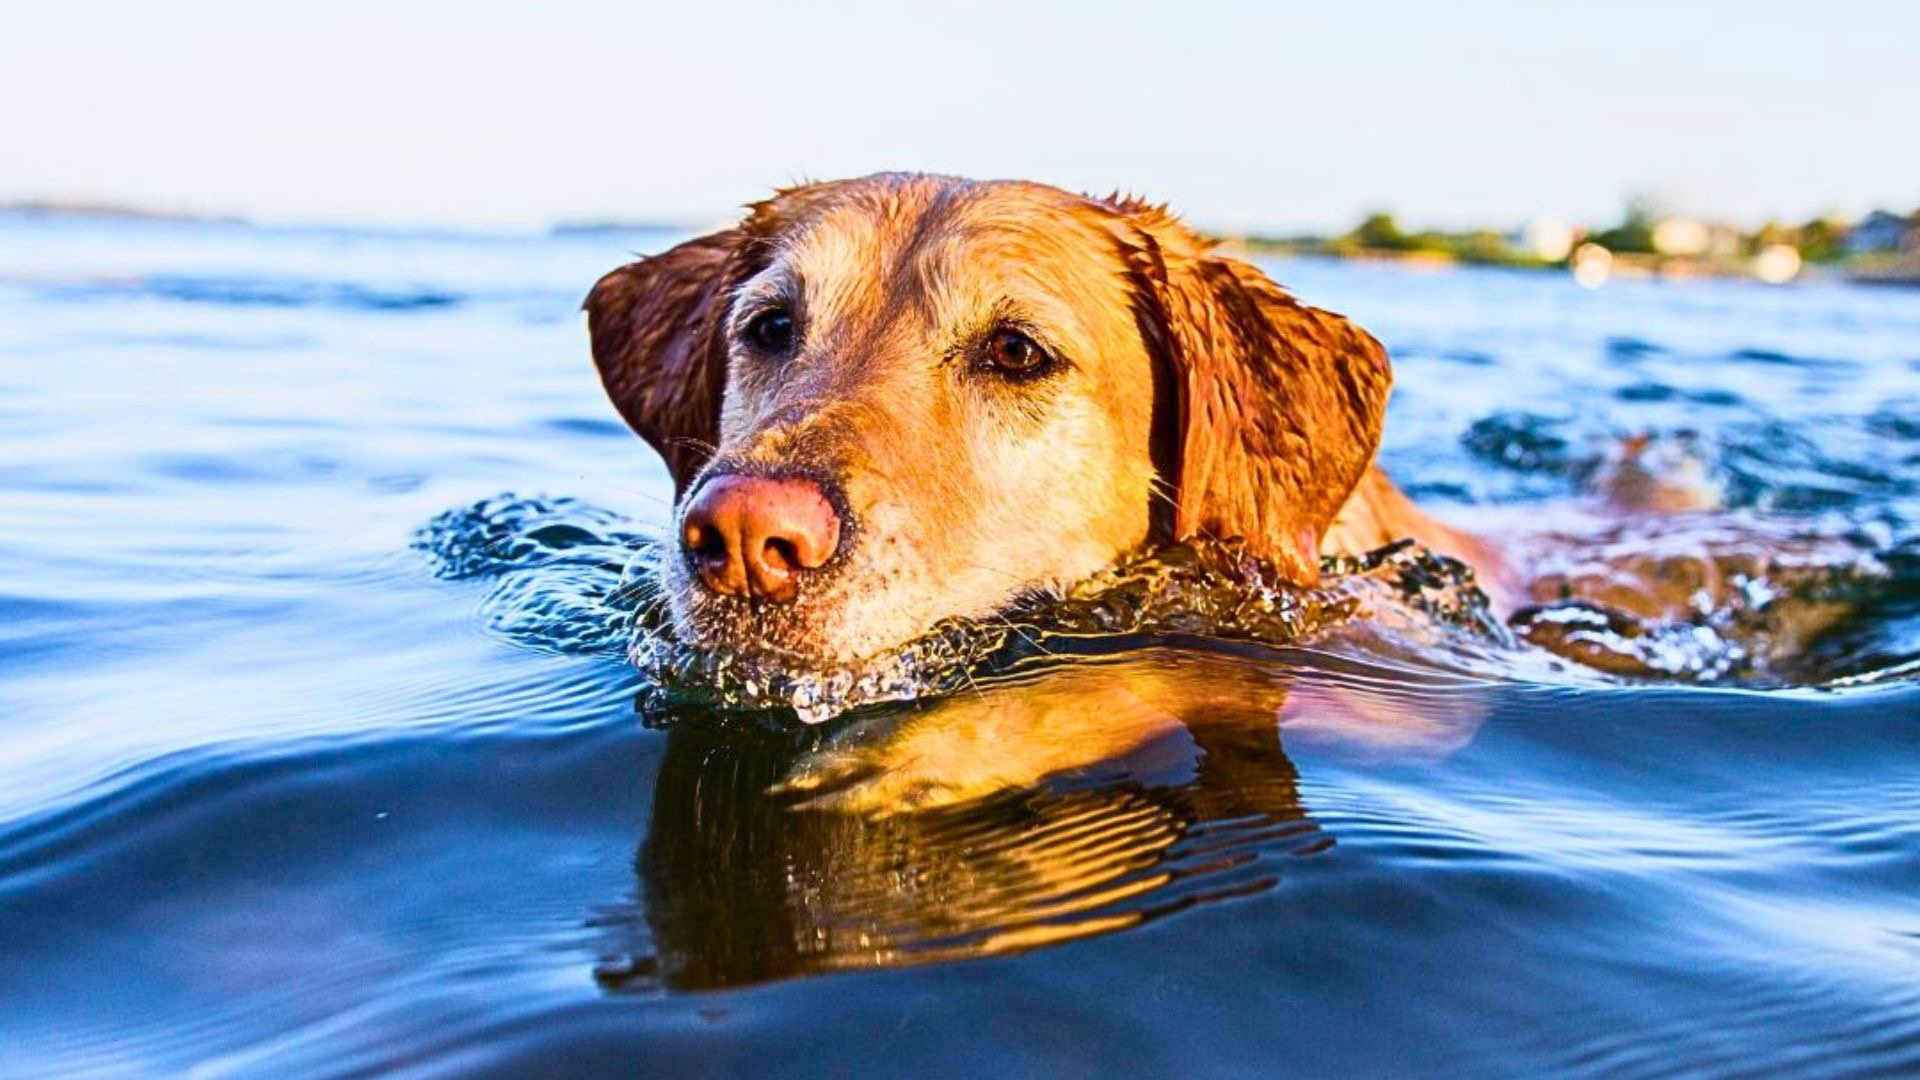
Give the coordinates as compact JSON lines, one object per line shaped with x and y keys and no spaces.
{"x":1883,"y":231}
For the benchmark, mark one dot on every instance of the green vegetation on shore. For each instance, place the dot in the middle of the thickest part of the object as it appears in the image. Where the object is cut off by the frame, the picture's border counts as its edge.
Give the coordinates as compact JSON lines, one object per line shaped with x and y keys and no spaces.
{"x":1381,"y":234}
{"x":1641,"y":241}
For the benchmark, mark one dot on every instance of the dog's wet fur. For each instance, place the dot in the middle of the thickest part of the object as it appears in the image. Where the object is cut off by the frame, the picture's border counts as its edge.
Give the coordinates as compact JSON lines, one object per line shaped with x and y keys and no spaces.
{"x":1177,"y":393}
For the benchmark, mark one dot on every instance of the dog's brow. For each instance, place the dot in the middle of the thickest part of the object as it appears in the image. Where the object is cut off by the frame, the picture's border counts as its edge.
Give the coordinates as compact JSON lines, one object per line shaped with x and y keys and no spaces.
{"x":777,"y":281}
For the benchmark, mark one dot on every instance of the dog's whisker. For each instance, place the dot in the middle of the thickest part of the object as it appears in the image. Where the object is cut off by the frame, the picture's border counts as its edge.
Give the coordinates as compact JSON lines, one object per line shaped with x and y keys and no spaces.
{"x":1003,"y":572}
{"x":650,"y":496}
{"x":689,"y":442}
{"x":1015,"y":628}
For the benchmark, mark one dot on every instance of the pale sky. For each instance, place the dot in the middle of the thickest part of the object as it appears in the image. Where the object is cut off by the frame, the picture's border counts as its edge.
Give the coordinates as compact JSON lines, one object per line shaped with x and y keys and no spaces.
{"x":1248,"y":115}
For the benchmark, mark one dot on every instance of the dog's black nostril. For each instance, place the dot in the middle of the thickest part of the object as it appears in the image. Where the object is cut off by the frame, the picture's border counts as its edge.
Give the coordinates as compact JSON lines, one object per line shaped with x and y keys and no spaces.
{"x":781,"y":554}
{"x":706,"y":543}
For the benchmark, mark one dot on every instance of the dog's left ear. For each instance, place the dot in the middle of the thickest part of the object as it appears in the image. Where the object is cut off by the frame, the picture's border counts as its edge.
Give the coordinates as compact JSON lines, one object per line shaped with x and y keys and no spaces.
{"x":656,"y":341}
{"x":1279,"y":405}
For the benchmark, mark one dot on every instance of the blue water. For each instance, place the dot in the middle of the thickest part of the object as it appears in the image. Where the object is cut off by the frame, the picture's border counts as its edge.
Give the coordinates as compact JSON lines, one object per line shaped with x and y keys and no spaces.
{"x":283,"y":792}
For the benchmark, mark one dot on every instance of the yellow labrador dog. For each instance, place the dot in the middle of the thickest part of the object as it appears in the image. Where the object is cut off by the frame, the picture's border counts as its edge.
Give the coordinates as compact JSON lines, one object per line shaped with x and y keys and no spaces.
{"x":902,"y":398}
{"x":897,"y":399}
{"x":891,"y":400}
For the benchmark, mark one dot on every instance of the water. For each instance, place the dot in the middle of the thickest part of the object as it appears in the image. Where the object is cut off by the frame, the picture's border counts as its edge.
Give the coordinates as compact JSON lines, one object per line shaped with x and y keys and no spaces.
{"x":285,"y":789}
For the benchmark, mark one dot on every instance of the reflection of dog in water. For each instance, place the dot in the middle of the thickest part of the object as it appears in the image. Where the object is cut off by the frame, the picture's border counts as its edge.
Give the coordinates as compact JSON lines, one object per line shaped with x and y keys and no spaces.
{"x":1165,"y":786}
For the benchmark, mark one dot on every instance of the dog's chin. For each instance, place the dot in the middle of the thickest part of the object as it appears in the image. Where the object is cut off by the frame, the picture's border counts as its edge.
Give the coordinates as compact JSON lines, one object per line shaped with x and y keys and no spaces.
{"x":811,"y":633}
{"x":784,"y":638}
{"x":841,"y":626}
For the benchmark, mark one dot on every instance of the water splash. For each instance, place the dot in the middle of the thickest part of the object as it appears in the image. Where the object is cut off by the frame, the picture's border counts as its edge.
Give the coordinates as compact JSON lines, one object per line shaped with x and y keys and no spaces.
{"x":1706,"y":603}
{"x":575,"y":578}
{"x":558,"y":567}
{"x":570,"y":577}
{"x":1199,"y":589}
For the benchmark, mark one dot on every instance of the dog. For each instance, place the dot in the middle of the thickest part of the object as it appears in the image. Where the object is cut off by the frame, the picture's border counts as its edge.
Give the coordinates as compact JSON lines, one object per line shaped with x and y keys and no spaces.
{"x":891,"y":400}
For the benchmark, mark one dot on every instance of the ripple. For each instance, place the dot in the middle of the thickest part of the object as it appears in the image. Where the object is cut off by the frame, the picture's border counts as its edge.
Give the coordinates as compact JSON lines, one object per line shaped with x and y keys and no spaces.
{"x":1528,"y":442}
{"x":276,"y":890}
{"x":1784,"y":359}
{"x":1630,"y":349}
{"x":258,"y":292}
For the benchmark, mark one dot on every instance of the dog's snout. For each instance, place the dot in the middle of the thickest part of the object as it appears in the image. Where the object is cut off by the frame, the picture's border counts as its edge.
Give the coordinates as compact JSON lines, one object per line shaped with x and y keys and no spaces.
{"x":755,"y":535}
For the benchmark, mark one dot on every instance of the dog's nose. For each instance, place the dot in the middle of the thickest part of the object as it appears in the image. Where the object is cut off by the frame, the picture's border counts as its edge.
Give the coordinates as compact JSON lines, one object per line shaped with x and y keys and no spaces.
{"x":755,"y":535}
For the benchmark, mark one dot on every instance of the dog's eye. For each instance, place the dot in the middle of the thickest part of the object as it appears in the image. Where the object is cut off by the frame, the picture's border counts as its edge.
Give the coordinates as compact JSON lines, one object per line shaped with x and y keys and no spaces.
{"x":1014,"y":353}
{"x":771,"y":331}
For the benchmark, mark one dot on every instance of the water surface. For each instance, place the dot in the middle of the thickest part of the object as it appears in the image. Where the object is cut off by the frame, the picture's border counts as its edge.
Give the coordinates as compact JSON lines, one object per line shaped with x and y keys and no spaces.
{"x":282,"y":793}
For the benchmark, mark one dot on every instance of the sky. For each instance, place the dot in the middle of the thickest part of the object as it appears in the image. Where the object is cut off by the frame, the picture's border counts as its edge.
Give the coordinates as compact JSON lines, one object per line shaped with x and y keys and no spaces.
{"x":1244,"y":116}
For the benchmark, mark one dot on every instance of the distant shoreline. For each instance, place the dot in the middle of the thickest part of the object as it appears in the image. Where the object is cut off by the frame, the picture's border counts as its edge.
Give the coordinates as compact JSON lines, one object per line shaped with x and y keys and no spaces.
{"x":1431,"y":251}
{"x":1882,"y":247}
{"x":1894,"y":269}
{"x":603,"y":228}
{"x":84,"y":210}
{"x":108,"y":211}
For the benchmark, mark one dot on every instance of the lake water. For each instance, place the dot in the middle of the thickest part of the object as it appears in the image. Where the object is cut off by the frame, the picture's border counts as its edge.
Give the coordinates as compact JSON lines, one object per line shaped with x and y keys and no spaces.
{"x":290,"y":787}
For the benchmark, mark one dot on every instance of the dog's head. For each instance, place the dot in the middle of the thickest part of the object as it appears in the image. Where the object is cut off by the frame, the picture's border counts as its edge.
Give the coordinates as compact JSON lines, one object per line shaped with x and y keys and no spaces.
{"x":891,"y":400}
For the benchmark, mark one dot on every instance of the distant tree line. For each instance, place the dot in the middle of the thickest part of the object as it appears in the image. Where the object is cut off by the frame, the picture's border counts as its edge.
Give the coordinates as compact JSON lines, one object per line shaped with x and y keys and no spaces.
{"x":1820,"y":240}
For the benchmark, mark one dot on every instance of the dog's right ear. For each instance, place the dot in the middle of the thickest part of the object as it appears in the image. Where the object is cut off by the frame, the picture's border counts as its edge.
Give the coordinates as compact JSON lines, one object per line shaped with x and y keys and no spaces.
{"x":656,"y":340}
